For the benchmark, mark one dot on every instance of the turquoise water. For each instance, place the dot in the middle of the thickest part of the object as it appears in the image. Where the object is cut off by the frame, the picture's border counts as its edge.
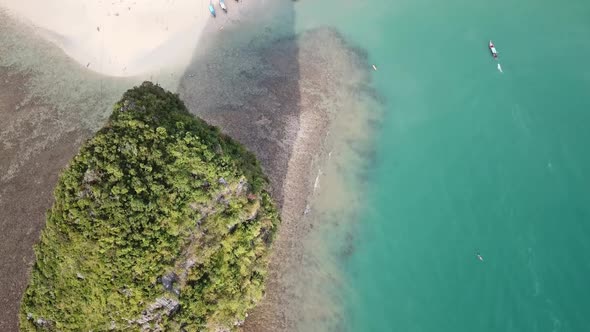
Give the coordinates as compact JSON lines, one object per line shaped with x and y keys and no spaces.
{"x":472,"y":160}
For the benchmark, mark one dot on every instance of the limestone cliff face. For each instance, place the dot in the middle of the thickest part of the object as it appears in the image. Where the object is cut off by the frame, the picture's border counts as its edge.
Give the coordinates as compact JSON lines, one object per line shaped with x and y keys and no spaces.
{"x":160,"y":223}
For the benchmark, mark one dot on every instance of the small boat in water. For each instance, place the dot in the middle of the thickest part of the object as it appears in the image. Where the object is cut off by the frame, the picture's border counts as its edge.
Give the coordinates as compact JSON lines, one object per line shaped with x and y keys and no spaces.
{"x":222,"y":5}
{"x":493,"y":50}
{"x":212,"y":9}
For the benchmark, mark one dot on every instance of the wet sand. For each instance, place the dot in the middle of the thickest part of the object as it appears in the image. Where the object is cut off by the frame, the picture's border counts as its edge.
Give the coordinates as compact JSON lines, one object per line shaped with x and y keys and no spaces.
{"x":34,"y":149}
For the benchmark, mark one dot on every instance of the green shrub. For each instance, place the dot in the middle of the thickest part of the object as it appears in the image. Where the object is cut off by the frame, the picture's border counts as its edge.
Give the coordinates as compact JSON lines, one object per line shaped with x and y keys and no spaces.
{"x":160,"y":222}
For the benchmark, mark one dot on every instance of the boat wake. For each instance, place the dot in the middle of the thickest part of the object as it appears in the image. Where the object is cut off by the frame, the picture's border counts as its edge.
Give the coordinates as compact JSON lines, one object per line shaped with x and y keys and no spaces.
{"x":317,"y":180}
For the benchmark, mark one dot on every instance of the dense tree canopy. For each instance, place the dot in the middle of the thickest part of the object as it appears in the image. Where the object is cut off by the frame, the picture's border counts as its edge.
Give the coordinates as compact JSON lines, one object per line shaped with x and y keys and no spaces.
{"x":160,"y":223}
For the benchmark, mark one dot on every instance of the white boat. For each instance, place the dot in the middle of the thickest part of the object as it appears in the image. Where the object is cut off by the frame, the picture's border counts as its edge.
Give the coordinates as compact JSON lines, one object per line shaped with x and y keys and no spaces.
{"x":493,"y":50}
{"x":222,"y":5}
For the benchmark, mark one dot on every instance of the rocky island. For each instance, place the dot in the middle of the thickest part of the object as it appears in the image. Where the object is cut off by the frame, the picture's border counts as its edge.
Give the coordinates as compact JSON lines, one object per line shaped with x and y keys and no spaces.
{"x":160,"y":222}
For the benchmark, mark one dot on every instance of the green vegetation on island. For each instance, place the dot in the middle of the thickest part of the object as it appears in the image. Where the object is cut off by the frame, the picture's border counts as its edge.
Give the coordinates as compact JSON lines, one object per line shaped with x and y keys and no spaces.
{"x":160,"y":223}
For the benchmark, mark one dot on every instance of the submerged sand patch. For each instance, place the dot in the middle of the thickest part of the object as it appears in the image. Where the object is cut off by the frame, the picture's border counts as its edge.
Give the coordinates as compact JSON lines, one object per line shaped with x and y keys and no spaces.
{"x":322,"y":188}
{"x":293,"y":101}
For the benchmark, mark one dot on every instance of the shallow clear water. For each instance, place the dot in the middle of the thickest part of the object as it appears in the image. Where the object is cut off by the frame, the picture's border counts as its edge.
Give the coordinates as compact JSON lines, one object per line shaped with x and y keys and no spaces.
{"x":470,"y":160}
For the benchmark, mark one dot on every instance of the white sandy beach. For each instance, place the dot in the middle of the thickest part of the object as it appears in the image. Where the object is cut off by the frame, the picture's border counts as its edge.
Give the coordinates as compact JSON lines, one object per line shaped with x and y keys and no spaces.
{"x":118,"y":37}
